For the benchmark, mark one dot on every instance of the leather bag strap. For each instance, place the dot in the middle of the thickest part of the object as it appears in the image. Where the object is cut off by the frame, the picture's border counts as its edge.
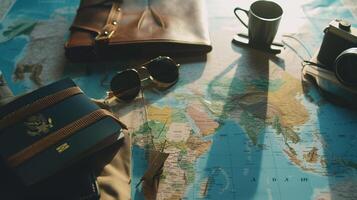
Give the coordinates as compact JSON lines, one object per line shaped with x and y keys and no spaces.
{"x":104,"y":32}
{"x":111,"y":25}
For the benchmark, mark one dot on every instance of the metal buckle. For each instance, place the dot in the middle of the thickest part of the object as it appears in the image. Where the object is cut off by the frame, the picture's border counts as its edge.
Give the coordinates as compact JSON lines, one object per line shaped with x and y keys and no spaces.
{"x":105,"y":35}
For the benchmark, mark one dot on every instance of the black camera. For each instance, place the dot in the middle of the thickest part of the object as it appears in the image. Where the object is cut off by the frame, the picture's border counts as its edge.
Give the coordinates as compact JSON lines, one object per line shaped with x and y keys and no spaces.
{"x":338,"y":51}
{"x":339,"y":36}
{"x":335,"y":67}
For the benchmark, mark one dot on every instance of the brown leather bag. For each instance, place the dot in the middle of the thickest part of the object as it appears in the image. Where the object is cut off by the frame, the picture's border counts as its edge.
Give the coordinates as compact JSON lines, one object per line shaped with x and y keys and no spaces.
{"x":107,"y":28}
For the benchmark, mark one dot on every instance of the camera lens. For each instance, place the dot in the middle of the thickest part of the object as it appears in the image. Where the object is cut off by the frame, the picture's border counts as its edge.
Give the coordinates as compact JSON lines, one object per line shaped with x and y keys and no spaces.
{"x":346,"y":67}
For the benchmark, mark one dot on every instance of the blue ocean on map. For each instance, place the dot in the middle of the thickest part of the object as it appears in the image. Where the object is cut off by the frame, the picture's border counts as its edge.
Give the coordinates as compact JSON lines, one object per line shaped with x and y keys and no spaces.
{"x":30,"y":10}
{"x":242,"y":171}
{"x":233,"y":167}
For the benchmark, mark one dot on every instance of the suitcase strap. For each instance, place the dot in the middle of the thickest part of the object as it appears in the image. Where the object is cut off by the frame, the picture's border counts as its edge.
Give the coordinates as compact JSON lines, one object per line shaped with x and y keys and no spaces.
{"x":61,"y":134}
{"x":32,"y":108}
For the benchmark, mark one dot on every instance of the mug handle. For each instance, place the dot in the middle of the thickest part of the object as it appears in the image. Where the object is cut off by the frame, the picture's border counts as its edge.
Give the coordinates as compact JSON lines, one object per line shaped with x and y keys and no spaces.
{"x":246,"y":12}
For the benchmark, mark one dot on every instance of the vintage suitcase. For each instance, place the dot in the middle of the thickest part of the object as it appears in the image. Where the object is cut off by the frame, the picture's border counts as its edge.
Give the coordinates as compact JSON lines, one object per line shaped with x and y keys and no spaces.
{"x":112,"y":28}
{"x":73,"y":183}
{"x":48,"y":129}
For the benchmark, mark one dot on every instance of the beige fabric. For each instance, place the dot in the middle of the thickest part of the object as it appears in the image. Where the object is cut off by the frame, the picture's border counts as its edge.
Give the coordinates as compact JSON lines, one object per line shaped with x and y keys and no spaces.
{"x":113,"y":167}
{"x":114,"y":163}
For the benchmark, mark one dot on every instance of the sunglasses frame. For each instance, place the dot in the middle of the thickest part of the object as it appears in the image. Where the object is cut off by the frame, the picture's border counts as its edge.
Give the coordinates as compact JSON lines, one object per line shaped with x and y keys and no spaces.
{"x":158,"y":83}
{"x":147,"y":79}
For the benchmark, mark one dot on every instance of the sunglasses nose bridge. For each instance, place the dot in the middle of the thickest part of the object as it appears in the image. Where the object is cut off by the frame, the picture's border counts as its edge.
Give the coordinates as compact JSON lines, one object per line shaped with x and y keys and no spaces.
{"x":144,"y":75}
{"x":143,"y":72}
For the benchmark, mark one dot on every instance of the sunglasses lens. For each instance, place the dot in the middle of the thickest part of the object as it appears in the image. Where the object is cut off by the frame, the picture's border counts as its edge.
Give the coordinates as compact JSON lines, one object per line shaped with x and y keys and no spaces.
{"x":163,"y":69}
{"x":125,"y":85}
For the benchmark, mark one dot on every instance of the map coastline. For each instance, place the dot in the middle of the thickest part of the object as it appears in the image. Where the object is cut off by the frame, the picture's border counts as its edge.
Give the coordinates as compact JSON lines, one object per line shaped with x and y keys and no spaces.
{"x":5,"y":7}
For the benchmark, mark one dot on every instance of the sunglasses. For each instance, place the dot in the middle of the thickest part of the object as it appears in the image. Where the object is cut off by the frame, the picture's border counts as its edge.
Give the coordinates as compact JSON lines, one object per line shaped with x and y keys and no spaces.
{"x":162,"y":72}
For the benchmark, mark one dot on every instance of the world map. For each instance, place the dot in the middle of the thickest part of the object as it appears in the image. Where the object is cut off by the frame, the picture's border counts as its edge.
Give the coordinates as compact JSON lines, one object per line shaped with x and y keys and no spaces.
{"x":248,"y":130}
{"x":249,"y":137}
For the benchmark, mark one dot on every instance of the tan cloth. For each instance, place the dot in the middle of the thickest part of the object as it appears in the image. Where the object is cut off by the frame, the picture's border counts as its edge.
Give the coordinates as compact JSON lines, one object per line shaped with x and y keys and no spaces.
{"x":113,"y":167}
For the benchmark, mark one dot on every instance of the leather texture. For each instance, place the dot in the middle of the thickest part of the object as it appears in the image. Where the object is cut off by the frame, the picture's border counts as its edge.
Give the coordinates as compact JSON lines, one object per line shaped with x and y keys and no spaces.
{"x":138,"y":26}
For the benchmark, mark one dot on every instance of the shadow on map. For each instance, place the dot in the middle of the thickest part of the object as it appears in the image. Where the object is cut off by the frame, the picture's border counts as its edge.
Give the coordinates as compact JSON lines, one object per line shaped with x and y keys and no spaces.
{"x":234,"y":161}
{"x":336,"y":129}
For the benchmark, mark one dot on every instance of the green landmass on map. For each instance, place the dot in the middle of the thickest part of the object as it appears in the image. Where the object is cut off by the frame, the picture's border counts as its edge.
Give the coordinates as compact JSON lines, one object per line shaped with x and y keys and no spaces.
{"x":252,"y":126}
{"x":168,"y":128}
{"x":193,"y":121}
{"x":260,"y":101}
